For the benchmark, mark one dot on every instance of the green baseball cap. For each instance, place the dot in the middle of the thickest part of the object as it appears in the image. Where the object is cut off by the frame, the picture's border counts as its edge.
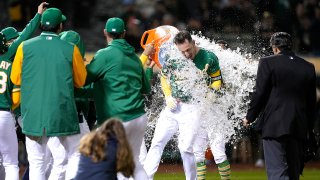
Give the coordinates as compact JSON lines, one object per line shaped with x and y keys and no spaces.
{"x":115,"y":25}
{"x":74,"y":38}
{"x":52,"y":17}
{"x":3,"y":46}
{"x":10,"y":33}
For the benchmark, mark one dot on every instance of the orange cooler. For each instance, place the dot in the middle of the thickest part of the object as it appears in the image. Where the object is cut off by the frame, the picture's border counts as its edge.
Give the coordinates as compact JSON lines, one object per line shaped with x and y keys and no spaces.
{"x":160,"y":36}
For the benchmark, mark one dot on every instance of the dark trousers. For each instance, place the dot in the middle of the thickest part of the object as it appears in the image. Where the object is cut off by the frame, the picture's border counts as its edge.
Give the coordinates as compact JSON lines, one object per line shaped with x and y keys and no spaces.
{"x":283,"y":158}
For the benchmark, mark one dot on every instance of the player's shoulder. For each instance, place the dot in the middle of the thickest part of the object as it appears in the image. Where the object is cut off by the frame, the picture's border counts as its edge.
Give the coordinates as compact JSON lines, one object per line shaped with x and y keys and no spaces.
{"x":31,"y":40}
{"x":208,"y":54}
{"x":102,"y":53}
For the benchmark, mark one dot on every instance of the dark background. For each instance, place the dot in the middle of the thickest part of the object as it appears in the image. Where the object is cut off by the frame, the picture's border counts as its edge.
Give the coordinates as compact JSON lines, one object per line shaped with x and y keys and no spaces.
{"x":247,"y":24}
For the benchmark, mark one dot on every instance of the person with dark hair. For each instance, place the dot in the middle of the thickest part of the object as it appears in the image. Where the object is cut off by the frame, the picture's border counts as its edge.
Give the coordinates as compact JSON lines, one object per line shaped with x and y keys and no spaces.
{"x":285,"y":95}
{"x":47,"y":69}
{"x":180,"y":113}
{"x":119,"y":84}
{"x":104,"y":152}
{"x":208,"y":62}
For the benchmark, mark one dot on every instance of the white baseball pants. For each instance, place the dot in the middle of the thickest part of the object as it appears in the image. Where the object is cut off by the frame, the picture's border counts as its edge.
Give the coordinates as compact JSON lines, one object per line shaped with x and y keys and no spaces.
{"x":9,"y":145}
{"x":72,"y":145}
{"x":36,"y":149}
{"x":215,"y":137}
{"x":135,"y":132}
{"x":186,"y":120}
{"x":143,"y":153}
{"x":217,"y":145}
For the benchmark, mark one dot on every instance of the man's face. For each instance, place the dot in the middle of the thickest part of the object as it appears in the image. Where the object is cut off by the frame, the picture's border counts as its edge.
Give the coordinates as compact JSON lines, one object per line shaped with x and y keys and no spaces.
{"x":188,"y":49}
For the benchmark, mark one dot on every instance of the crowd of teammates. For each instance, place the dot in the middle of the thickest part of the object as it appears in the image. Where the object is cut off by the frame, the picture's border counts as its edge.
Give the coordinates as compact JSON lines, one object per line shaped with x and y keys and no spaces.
{"x":52,"y":65}
{"x":45,"y":81}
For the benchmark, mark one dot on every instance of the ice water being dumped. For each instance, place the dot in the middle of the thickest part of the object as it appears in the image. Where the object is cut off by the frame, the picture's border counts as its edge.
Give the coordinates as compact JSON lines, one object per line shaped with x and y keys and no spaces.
{"x":221,"y":111}
{"x":238,"y":70}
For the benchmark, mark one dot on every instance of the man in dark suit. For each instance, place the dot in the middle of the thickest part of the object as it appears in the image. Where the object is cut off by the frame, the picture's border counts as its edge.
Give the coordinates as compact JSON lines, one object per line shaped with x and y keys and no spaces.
{"x":285,"y":96}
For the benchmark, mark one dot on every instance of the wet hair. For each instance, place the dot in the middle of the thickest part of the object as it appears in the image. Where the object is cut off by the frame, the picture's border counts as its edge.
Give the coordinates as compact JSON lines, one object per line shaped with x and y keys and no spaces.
{"x":93,"y":145}
{"x":50,"y":28}
{"x":182,"y":36}
{"x":281,"y":40}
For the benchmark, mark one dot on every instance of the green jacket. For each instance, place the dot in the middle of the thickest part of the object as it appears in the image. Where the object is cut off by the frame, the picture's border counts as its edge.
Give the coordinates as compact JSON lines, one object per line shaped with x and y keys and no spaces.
{"x":7,"y":58}
{"x":50,"y":69}
{"x":119,"y":82}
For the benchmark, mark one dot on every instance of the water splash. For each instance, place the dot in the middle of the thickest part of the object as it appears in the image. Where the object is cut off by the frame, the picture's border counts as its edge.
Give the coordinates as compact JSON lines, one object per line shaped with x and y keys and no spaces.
{"x":221,"y":112}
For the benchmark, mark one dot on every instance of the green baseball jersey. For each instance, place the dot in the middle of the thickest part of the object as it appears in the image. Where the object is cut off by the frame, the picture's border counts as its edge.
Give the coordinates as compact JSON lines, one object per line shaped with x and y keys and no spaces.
{"x":27,"y":32}
{"x":174,"y":69}
{"x":119,"y":82}
{"x":5,"y":84}
{"x":6,"y":59}
{"x":48,"y":68}
{"x":204,"y":57}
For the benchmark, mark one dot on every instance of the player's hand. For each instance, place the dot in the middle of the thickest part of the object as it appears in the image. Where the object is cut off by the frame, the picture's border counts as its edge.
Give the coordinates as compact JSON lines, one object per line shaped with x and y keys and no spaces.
{"x":206,"y":67}
{"x":149,"y":50}
{"x":245,"y":122}
{"x":42,"y":8}
{"x":172,"y":104}
{"x":150,"y":63}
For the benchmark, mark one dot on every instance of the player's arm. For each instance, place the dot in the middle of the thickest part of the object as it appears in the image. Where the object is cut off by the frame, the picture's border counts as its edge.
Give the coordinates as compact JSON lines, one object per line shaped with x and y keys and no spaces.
{"x":146,"y":77}
{"x":216,"y":80}
{"x":96,"y":67}
{"x":149,"y":50}
{"x":15,"y":97}
{"x":144,"y":59}
{"x":166,"y":89}
{"x":17,"y":66}
{"x":79,"y":69}
{"x":28,"y":31}
{"x":214,"y":72}
{"x":165,"y":86}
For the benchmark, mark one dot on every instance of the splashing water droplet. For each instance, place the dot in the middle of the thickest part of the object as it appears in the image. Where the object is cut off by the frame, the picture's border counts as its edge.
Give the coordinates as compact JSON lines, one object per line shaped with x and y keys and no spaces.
{"x":221,"y":113}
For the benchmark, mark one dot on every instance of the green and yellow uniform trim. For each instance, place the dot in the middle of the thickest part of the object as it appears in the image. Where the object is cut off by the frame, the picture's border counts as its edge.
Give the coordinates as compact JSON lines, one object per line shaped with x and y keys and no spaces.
{"x":224,"y":169}
{"x":79,"y":71}
{"x":201,"y":170}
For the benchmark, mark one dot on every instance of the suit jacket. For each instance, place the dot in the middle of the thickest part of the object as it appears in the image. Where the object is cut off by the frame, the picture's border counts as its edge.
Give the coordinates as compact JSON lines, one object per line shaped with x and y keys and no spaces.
{"x":285,"y":96}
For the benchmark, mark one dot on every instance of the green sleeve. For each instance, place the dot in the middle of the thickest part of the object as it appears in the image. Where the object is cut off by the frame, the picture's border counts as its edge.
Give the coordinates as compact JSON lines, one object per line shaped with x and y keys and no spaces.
{"x":213,"y":64}
{"x":149,"y":73}
{"x":26,"y":34}
{"x":95,"y":69}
